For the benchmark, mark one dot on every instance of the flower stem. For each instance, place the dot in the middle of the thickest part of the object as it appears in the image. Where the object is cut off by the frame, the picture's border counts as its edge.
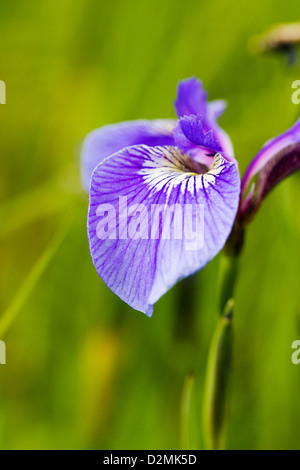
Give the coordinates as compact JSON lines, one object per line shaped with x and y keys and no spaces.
{"x":216,"y":394}
{"x":187,"y":413}
{"x":229,"y":265}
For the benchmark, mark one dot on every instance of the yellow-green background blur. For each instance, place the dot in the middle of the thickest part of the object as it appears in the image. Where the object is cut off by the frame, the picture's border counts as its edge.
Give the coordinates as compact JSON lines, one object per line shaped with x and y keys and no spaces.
{"x":83,"y":369}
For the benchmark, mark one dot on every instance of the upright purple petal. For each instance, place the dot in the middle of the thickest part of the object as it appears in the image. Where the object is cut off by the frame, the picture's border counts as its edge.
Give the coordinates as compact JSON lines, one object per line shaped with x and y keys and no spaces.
{"x":224,"y":140}
{"x":192,"y":100}
{"x":277,"y":159}
{"x":155,"y":217}
{"x":216,"y":109}
{"x":109,"y":139}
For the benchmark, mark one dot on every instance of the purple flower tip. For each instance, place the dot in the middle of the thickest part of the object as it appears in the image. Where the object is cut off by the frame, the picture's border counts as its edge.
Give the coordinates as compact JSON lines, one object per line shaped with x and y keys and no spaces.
{"x":279,"y":158}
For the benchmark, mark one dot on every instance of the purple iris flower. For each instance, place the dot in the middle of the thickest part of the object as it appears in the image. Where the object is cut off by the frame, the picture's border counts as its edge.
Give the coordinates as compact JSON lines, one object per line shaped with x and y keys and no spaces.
{"x":164,"y":195}
{"x":279,"y":158}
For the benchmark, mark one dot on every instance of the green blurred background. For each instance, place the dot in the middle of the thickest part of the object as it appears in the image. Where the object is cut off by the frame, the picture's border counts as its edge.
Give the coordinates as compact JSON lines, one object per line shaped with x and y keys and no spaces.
{"x":83,"y":369}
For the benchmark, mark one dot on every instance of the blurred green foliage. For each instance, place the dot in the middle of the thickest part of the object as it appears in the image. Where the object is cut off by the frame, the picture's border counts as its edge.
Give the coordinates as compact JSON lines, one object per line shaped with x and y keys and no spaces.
{"x":83,"y":369}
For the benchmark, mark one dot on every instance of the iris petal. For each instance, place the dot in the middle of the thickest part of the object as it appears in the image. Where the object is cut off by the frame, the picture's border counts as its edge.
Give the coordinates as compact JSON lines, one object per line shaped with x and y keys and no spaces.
{"x":154,"y":219}
{"x":269,"y":150}
{"x":109,"y":139}
{"x":190,"y":134}
{"x":216,"y":109}
{"x":192,"y":100}
{"x":277,"y":159}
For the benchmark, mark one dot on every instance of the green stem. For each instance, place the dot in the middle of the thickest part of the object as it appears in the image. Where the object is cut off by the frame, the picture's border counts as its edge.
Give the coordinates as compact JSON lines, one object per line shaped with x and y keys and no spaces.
{"x":187,"y":413}
{"x":229,"y":267}
{"x":216,"y":394}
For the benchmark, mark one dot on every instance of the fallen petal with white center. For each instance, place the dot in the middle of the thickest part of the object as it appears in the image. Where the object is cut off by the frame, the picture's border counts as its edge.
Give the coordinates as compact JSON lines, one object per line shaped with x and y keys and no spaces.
{"x":155,"y":217}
